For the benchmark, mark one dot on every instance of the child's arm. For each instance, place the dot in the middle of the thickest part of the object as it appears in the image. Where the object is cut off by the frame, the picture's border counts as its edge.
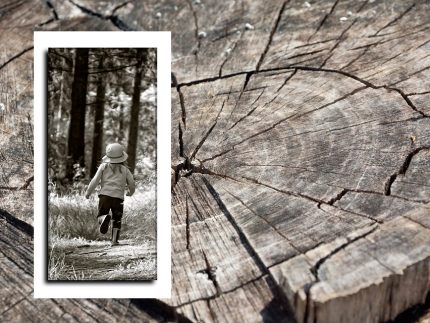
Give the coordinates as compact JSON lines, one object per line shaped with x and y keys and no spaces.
{"x":95,"y":181}
{"x":130,"y":183}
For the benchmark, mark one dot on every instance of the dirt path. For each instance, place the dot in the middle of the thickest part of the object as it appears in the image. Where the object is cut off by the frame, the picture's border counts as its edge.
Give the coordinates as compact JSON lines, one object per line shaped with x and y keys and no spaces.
{"x":98,"y":260}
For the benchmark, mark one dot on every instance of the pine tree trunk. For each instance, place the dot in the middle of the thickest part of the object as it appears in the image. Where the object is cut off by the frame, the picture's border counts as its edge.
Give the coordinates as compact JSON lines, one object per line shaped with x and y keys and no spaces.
{"x":76,"y":142}
{"x":121,"y":121}
{"x":135,"y":109}
{"x":98,"y":120}
{"x":60,"y":106}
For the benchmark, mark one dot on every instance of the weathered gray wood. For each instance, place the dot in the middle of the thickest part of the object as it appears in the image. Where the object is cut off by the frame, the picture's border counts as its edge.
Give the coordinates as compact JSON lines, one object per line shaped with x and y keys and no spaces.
{"x":207,"y":43}
{"x":16,"y":93}
{"x":17,"y":303}
{"x":394,"y":255}
{"x":300,"y":154}
{"x":281,"y":148}
{"x":212,"y":260}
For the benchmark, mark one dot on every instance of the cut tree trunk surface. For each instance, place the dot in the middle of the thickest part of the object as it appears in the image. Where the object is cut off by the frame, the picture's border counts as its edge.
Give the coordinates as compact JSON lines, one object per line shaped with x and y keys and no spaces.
{"x":300,"y":157}
{"x":18,"y":305}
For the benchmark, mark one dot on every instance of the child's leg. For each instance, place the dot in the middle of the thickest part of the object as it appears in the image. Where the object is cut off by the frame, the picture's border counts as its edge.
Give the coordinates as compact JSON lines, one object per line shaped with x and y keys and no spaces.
{"x":117,"y":211}
{"x":103,"y":215}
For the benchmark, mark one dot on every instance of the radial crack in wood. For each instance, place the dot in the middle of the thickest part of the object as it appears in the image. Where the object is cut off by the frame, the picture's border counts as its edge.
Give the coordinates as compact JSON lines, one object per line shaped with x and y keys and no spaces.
{"x":394,"y":257}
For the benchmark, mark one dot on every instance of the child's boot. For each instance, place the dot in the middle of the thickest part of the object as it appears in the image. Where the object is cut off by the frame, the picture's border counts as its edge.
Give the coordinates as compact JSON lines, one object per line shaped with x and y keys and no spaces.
{"x":116,"y":228}
{"x":104,"y":223}
{"x":115,"y":236}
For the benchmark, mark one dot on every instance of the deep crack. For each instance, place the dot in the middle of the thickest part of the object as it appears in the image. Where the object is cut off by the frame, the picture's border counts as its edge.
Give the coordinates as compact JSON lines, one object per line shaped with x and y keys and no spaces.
{"x":51,"y":6}
{"x":187,"y":222}
{"x":196,"y":27}
{"x":408,"y":101}
{"x":402,"y":170}
{"x":287,"y":79}
{"x":200,"y":144}
{"x":16,"y":56}
{"x":275,"y":288}
{"x":315,"y":269}
{"x":339,"y":40}
{"x":121,"y":5}
{"x":323,"y":20}
{"x":115,"y":20}
{"x":249,"y":112}
{"x":210,"y":271}
{"x":395,"y":19}
{"x":213,"y":297}
{"x":337,"y":197}
{"x":181,"y":141}
{"x":272,"y":33}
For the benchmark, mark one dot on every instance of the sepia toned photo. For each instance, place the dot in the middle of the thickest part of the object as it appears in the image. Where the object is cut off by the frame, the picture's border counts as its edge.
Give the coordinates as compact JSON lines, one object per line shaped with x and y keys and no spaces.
{"x":101,"y":147}
{"x":292,"y":161}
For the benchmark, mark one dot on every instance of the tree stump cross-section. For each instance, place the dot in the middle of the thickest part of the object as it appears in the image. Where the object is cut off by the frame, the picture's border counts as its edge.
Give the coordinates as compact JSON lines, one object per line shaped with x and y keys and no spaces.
{"x":280,"y":176}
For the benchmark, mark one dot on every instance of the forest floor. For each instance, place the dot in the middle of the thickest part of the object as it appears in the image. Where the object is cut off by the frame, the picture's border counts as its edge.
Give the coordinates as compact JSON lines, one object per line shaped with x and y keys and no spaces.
{"x":80,"y":259}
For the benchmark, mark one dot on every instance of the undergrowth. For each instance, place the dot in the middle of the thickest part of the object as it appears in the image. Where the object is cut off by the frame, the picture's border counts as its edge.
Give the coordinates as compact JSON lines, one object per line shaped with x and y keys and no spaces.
{"x":73,"y":216}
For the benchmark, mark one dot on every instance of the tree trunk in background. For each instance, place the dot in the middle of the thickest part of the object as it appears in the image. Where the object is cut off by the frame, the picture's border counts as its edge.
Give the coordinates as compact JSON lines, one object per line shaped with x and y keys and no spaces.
{"x":60,"y":106}
{"x":61,"y":121}
{"x":98,"y":120}
{"x":135,"y":107}
{"x":121,"y":121}
{"x":76,"y":143}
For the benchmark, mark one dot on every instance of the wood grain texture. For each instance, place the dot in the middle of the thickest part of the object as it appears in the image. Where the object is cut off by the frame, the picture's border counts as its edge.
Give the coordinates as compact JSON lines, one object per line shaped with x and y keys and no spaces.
{"x":17,"y":302}
{"x":300,"y":157}
{"x":16,"y":95}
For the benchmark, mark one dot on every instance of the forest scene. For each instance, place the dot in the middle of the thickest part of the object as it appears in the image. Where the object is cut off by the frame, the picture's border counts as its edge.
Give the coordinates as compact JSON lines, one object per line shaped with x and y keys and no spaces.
{"x":96,"y":97}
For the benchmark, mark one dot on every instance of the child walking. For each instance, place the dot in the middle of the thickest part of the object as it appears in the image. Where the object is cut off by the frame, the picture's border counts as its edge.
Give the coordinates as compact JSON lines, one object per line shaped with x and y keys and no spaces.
{"x":113,"y":177}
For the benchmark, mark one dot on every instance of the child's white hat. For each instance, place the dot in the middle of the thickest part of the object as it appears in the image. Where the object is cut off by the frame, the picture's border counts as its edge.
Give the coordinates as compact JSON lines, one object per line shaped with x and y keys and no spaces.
{"x":115,"y":154}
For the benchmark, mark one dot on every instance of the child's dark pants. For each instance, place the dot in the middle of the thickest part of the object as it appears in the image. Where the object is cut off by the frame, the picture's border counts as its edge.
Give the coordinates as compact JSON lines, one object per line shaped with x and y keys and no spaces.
{"x":107,"y":203}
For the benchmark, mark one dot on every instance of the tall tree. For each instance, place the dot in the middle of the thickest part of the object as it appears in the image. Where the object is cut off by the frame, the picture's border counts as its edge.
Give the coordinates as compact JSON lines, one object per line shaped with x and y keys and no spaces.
{"x":121,"y":120}
{"x":98,"y":118}
{"x":135,"y":105}
{"x":76,"y":142}
{"x":64,"y":92}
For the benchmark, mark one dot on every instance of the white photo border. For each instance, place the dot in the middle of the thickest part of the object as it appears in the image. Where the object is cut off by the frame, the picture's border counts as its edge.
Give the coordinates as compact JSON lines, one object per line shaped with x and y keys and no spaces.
{"x":160,"y":288}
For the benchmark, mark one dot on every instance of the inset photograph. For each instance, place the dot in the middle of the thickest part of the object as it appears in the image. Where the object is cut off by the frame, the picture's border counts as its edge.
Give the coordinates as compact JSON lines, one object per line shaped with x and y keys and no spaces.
{"x":101,"y":164}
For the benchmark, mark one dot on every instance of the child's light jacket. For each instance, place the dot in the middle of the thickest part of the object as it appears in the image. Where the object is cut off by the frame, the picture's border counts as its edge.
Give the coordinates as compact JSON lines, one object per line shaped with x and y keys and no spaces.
{"x":113,"y":180}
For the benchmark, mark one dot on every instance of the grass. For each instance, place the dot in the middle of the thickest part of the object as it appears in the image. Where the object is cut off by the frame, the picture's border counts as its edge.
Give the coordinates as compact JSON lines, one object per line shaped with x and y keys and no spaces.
{"x":135,"y":268}
{"x":57,"y":267}
{"x":73,"y":216}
